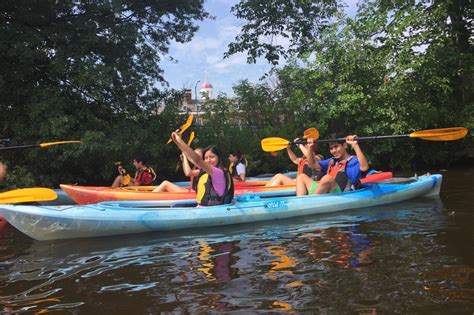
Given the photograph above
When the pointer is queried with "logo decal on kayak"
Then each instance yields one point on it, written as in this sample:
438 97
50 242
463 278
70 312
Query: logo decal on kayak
277 205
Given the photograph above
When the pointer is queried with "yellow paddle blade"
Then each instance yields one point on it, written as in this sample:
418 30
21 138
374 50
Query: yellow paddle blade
443 134
311 133
191 138
184 127
274 144
47 144
187 124
27 195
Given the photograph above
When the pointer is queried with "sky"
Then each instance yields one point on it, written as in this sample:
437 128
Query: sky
202 58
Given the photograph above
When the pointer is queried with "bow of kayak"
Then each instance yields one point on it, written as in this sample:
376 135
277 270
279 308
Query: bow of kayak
126 217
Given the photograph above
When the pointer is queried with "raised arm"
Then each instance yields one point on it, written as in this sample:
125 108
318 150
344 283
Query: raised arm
308 152
187 170
292 155
189 152
352 140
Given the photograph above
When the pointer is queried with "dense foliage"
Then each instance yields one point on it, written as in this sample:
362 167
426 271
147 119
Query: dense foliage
91 71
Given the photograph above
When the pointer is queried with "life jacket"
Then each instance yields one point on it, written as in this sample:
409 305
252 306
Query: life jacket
206 194
337 170
145 176
303 168
122 171
233 169
193 181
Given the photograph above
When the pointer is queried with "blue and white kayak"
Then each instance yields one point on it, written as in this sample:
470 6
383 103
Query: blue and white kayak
126 217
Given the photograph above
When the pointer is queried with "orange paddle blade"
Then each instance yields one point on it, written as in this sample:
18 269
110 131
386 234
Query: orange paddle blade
443 134
274 144
311 133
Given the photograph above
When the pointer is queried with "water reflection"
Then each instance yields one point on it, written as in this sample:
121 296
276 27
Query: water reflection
363 261
217 260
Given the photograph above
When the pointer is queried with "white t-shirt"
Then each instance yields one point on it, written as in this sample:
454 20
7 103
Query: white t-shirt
240 169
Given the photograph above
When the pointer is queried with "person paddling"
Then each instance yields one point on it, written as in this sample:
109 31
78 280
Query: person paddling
342 172
238 165
302 163
191 172
145 175
215 185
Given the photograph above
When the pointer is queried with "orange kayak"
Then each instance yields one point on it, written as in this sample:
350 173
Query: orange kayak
91 194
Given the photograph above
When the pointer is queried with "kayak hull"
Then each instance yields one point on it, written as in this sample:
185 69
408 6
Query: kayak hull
89 195
127 217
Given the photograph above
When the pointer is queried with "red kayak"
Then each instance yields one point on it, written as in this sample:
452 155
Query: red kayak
91 194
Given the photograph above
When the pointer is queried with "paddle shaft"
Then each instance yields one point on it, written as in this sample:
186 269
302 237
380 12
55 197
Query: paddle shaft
26 146
358 139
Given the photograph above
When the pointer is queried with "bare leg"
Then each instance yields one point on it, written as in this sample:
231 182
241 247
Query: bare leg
325 185
303 184
167 186
280 179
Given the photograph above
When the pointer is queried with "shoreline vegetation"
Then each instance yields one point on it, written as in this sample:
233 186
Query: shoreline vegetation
91 72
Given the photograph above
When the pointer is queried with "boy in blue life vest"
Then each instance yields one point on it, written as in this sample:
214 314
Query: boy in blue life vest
342 172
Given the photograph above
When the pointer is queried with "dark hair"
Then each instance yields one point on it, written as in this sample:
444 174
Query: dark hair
316 149
334 136
237 153
214 150
140 159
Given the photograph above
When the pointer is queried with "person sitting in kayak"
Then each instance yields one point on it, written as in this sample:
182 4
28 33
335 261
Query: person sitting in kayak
191 172
342 172
302 163
215 185
145 175
238 165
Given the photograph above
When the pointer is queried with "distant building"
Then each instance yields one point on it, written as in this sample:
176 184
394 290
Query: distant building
193 106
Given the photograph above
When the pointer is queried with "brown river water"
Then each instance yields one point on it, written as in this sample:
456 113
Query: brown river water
415 257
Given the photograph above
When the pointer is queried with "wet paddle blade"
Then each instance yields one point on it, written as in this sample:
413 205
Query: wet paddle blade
443 134
274 144
27 195
47 144
311 133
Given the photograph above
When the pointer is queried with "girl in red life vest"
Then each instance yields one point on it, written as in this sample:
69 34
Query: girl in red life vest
302 163
144 176
342 172
191 172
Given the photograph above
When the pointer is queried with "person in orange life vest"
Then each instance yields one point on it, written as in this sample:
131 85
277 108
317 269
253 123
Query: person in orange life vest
3 171
215 185
191 172
303 167
342 172
237 166
144 175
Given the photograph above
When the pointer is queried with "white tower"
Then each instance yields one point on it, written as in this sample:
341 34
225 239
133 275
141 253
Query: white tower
206 91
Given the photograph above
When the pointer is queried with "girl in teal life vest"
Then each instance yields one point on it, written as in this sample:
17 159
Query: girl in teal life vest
215 185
